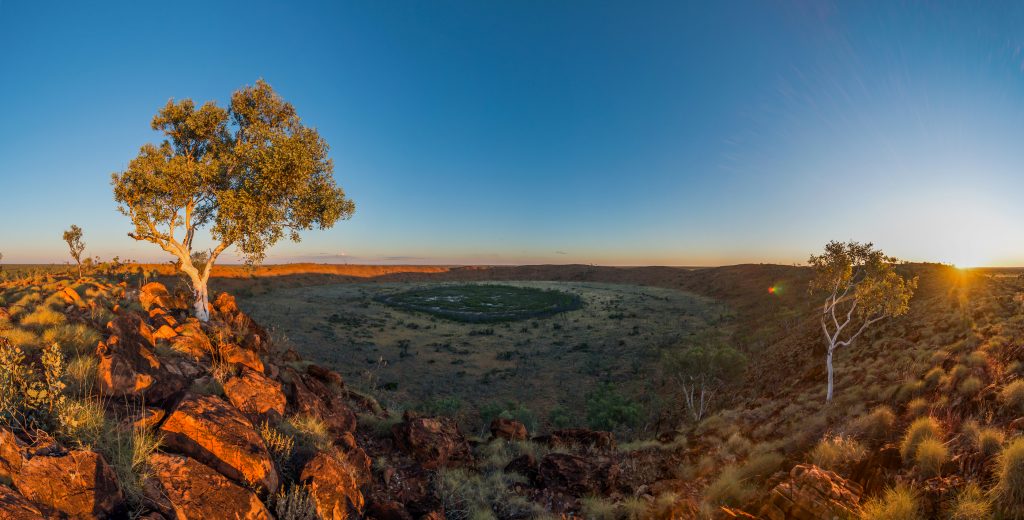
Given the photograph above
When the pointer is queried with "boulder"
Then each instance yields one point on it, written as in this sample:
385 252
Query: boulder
16 507
12 454
210 430
333 483
872 473
432 441
255 394
182 487
128 368
508 429
155 294
71 297
235 355
388 510
253 337
311 397
78 484
812 493
325 376
525 465
192 340
577 476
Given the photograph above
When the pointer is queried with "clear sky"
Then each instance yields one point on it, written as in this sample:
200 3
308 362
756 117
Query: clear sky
546 131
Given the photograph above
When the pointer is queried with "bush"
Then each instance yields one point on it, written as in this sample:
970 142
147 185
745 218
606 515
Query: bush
874 427
43 316
898 503
1013 396
82 422
609 410
930 456
970 504
279 444
969 387
836 452
293 504
1008 493
919 430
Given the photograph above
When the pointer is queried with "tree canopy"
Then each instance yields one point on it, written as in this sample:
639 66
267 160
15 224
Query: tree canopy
73 237
252 173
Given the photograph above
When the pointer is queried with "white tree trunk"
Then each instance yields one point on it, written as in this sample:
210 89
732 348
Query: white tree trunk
201 304
828 362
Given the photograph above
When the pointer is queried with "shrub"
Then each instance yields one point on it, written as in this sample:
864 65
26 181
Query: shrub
599 508
82 422
898 503
835 452
279 444
760 466
1013 396
970 504
608 410
917 407
931 454
969 387
919 430
293 504
875 426
30 393
80 375
1008 493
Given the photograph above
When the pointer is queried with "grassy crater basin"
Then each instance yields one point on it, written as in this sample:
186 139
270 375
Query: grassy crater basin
478 303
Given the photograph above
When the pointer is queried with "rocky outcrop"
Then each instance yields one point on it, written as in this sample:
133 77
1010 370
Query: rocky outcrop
16 507
129 368
12 454
310 396
255 394
333 482
508 429
233 354
251 335
577 476
812 493
432 441
210 430
77 484
182 487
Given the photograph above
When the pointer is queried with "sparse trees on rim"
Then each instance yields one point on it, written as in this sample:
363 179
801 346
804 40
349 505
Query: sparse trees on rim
701 370
861 288
252 172
73 236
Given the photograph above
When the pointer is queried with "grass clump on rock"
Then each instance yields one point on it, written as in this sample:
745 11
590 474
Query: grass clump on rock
930 455
1008 493
897 503
919 430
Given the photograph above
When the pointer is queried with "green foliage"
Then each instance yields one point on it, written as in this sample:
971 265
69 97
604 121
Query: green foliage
607 409
836 452
700 370
278 443
929 457
73 237
898 503
919 430
970 504
1012 396
1008 493
480 303
30 394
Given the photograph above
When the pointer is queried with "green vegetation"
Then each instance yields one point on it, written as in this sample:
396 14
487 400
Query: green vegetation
919 430
1008 493
478 303
971 504
898 503
929 457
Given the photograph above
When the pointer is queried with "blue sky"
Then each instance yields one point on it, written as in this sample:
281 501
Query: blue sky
549 132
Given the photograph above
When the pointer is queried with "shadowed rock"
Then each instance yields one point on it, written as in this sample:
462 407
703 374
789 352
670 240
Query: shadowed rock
16 507
78 484
508 429
334 483
432 441
255 394
575 475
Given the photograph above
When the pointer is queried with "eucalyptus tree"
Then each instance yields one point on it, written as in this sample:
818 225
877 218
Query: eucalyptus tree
861 288
252 173
73 237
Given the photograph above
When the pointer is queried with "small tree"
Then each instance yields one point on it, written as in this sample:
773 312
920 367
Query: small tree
861 287
73 236
701 370
252 172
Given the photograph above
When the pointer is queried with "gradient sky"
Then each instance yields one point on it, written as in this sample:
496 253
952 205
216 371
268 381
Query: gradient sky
545 131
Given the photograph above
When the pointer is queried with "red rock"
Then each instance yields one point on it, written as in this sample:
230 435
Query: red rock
313 398
388 511
508 429
128 368
255 394
185 488
16 507
811 493
210 430
155 294
149 418
164 332
78 484
253 337
432 441
575 475
325 376
334 484
12 454
236 355
581 438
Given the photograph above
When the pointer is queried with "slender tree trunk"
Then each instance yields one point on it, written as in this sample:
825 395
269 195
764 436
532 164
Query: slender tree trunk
79 270
828 362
